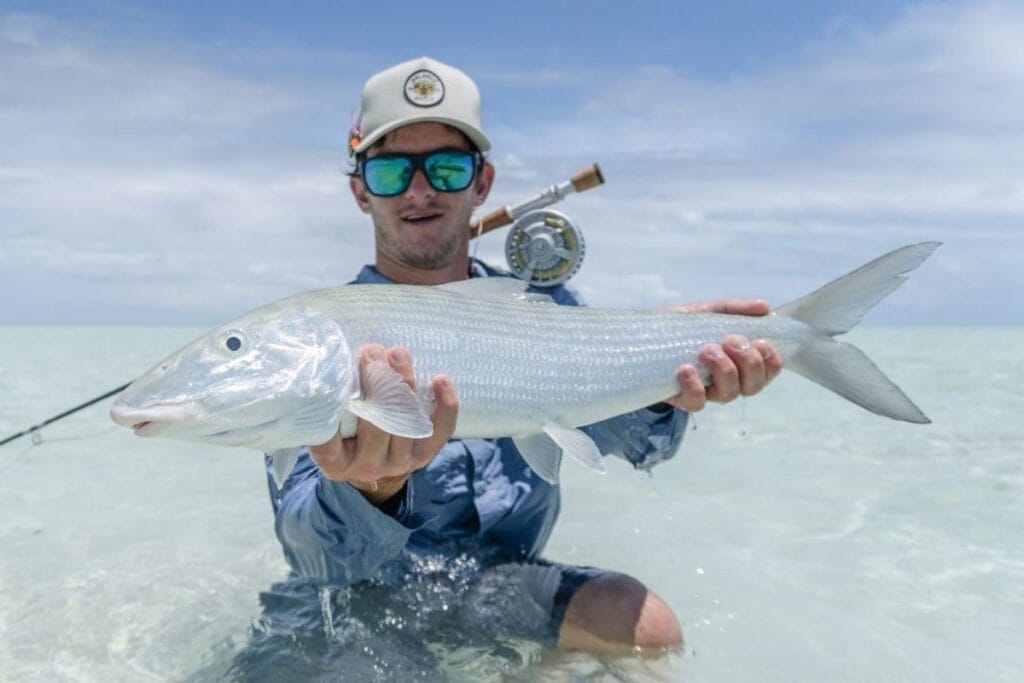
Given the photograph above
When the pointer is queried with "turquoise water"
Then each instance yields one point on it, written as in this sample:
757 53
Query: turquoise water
796 536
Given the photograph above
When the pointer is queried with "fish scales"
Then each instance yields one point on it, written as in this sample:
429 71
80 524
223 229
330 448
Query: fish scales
577 355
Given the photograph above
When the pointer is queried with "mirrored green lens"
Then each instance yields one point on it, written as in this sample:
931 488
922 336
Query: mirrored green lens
386 176
450 171
447 170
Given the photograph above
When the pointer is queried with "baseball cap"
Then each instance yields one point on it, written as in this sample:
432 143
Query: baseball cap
422 89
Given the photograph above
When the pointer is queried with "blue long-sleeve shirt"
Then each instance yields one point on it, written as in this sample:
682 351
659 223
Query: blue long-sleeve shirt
476 495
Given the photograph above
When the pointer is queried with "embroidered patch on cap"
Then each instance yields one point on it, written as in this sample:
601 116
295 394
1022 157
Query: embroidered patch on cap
424 89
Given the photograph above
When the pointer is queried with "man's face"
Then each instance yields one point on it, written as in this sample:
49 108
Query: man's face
422 227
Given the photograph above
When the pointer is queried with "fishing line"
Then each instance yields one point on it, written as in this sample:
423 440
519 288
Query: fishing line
33 430
37 440
17 458
743 415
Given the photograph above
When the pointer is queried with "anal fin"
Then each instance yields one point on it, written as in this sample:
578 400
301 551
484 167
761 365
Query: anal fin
577 444
543 452
542 455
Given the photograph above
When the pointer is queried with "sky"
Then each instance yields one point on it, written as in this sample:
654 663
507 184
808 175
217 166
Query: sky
181 163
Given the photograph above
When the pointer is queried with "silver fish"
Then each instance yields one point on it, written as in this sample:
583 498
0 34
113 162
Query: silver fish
287 374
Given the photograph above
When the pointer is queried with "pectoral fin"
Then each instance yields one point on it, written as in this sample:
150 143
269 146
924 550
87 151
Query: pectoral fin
391 404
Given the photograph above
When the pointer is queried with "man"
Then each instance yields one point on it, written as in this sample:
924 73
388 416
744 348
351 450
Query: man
356 506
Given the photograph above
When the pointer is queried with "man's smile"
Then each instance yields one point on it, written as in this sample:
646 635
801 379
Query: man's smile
421 218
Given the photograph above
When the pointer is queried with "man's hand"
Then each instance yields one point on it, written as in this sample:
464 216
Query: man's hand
738 366
378 463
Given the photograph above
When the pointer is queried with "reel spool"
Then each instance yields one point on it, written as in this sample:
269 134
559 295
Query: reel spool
544 248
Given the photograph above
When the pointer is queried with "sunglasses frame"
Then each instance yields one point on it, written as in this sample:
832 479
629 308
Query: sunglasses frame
419 164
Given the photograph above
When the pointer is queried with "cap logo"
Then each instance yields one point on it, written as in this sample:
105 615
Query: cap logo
424 89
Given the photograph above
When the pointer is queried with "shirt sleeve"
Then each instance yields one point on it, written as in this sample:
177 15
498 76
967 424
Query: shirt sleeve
330 533
644 437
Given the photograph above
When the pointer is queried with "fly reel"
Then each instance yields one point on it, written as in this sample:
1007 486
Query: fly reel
544 248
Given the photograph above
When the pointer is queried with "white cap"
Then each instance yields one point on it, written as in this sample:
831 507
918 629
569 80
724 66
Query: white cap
419 90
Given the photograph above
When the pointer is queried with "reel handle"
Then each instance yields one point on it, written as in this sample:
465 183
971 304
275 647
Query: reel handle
581 181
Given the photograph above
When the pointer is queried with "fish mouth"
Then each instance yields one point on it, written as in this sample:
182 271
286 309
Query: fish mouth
186 422
151 420
146 428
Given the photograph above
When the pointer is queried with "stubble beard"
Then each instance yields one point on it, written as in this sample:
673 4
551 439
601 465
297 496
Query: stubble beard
436 257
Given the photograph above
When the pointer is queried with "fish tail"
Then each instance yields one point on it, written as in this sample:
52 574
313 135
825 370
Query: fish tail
838 307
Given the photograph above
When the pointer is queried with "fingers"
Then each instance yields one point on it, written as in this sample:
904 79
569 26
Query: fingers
373 456
401 361
370 444
444 418
691 396
740 367
737 367
732 306
725 377
771 357
362 457
749 364
331 457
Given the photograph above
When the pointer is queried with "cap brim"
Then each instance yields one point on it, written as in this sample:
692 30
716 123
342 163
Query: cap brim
475 136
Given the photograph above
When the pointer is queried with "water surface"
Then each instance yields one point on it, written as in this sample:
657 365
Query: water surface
796 536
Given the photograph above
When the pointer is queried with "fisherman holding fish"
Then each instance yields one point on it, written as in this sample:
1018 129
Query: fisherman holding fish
461 471
354 506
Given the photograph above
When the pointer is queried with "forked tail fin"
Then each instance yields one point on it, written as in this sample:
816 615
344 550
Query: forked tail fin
838 307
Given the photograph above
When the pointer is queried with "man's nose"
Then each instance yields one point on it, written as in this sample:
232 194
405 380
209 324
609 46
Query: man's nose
419 186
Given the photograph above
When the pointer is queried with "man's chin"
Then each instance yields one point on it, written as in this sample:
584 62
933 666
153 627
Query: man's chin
430 247
429 254
429 261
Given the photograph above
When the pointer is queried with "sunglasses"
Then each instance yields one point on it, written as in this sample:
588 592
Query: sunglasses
447 170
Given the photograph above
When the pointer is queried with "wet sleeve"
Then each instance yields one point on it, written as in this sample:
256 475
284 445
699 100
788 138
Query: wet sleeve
643 437
330 533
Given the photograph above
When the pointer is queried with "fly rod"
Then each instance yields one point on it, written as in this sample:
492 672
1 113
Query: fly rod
70 411
581 181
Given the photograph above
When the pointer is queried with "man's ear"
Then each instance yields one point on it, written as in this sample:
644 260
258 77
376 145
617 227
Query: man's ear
362 197
484 181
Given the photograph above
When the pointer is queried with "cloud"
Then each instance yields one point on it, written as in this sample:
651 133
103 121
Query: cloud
154 178
130 165
870 140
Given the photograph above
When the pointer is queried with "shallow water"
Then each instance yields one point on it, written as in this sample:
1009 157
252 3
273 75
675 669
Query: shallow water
797 537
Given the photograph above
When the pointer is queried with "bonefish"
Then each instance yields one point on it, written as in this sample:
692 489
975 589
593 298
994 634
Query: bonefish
287 374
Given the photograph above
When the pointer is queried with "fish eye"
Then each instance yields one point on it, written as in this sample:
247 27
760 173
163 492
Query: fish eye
233 341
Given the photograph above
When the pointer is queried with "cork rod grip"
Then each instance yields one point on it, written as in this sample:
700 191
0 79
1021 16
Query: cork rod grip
587 178
581 181
495 219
